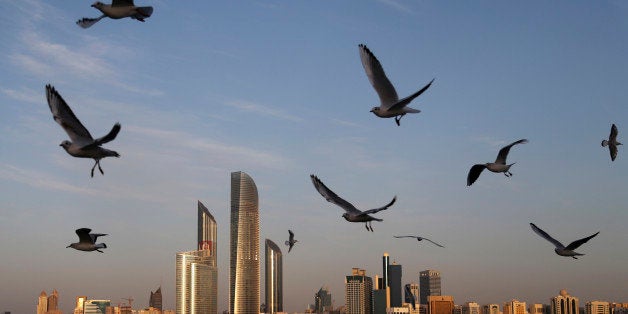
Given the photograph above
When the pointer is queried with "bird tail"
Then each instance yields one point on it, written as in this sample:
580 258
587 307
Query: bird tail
377 219
604 143
111 153
101 246
88 22
145 11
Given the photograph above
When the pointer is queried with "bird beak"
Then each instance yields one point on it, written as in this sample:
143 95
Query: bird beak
68 246
372 110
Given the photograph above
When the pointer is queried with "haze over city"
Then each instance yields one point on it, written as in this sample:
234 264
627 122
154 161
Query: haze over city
277 89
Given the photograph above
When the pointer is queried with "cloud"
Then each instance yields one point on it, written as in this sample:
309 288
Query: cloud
262 110
396 5
25 94
41 180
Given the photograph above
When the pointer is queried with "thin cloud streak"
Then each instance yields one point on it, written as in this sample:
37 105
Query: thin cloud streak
41 180
251 107
396 5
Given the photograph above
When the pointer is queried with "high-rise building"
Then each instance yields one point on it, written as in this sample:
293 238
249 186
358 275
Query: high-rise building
412 293
564 303
53 303
358 292
440 304
244 270
429 284
394 282
515 307
490 309
96 306
597 307
42 303
536 308
197 271
471 308
379 301
322 300
155 299
78 308
274 278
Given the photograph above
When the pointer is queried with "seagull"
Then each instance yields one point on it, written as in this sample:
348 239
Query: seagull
118 9
498 166
612 142
82 145
391 105
291 241
87 241
560 248
418 238
351 214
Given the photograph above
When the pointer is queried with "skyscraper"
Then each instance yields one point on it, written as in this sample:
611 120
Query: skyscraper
96 306
155 299
564 303
429 284
274 278
441 304
358 292
597 307
385 280
472 308
515 307
322 300
197 272
244 270
490 309
411 292
78 308
42 303
394 282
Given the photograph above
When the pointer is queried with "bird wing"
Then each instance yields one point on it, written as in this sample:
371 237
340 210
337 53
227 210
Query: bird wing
62 113
83 234
433 242
122 3
547 236
331 197
503 153
405 101
375 72
374 210
291 235
613 136
575 244
474 173
612 148
406 236
107 138
87 22
94 236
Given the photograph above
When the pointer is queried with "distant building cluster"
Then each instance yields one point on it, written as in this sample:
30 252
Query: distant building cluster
197 276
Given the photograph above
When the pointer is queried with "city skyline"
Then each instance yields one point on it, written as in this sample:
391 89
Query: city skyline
277 89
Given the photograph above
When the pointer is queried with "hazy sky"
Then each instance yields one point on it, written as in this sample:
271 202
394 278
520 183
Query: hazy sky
276 89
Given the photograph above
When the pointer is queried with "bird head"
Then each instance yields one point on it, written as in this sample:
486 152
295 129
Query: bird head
375 109
98 4
345 216
71 245
66 144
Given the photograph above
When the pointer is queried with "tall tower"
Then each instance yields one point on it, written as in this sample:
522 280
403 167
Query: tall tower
597 307
385 283
244 272
411 293
429 284
42 303
358 292
515 307
564 303
197 271
322 300
394 282
155 300
274 278
441 304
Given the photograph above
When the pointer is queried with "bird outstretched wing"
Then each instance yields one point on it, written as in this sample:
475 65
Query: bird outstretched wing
474 173
83 234
503 153
405 101
385 90
62 113
546 236
374 210
575 244
87 22
331 197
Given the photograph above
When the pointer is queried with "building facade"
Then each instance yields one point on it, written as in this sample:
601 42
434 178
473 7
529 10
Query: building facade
155 300
597 307
429 285
197 271
441 304
490 309
515 307
411 295
358 292
96 306
394 282
244 270
322 300
42 303
273 278
471 308
564 303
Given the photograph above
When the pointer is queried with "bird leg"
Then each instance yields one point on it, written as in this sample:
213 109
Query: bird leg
574 257
508 174
366 225
100 251
98 162
94 167
370 226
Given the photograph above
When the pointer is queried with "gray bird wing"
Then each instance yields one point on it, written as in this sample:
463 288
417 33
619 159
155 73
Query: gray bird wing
331 197
612 148
83 234
613 136
62 113
575 244
503 153
406 236
385 90
474 173
405 101
87 22
122 3
433 242
375 210
94 236
107 138
547 236
291 238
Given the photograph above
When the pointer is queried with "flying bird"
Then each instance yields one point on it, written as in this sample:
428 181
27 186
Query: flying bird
291 241
418 238
82 144
351 214
390 104
87 241
118 9
612 142
560 248
498 166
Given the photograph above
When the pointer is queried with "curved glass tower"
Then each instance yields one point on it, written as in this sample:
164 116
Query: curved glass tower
244 272
274 278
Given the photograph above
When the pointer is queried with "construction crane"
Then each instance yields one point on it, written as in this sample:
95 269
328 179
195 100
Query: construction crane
130 300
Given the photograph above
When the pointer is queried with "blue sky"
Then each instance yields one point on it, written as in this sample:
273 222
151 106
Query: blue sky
276 89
